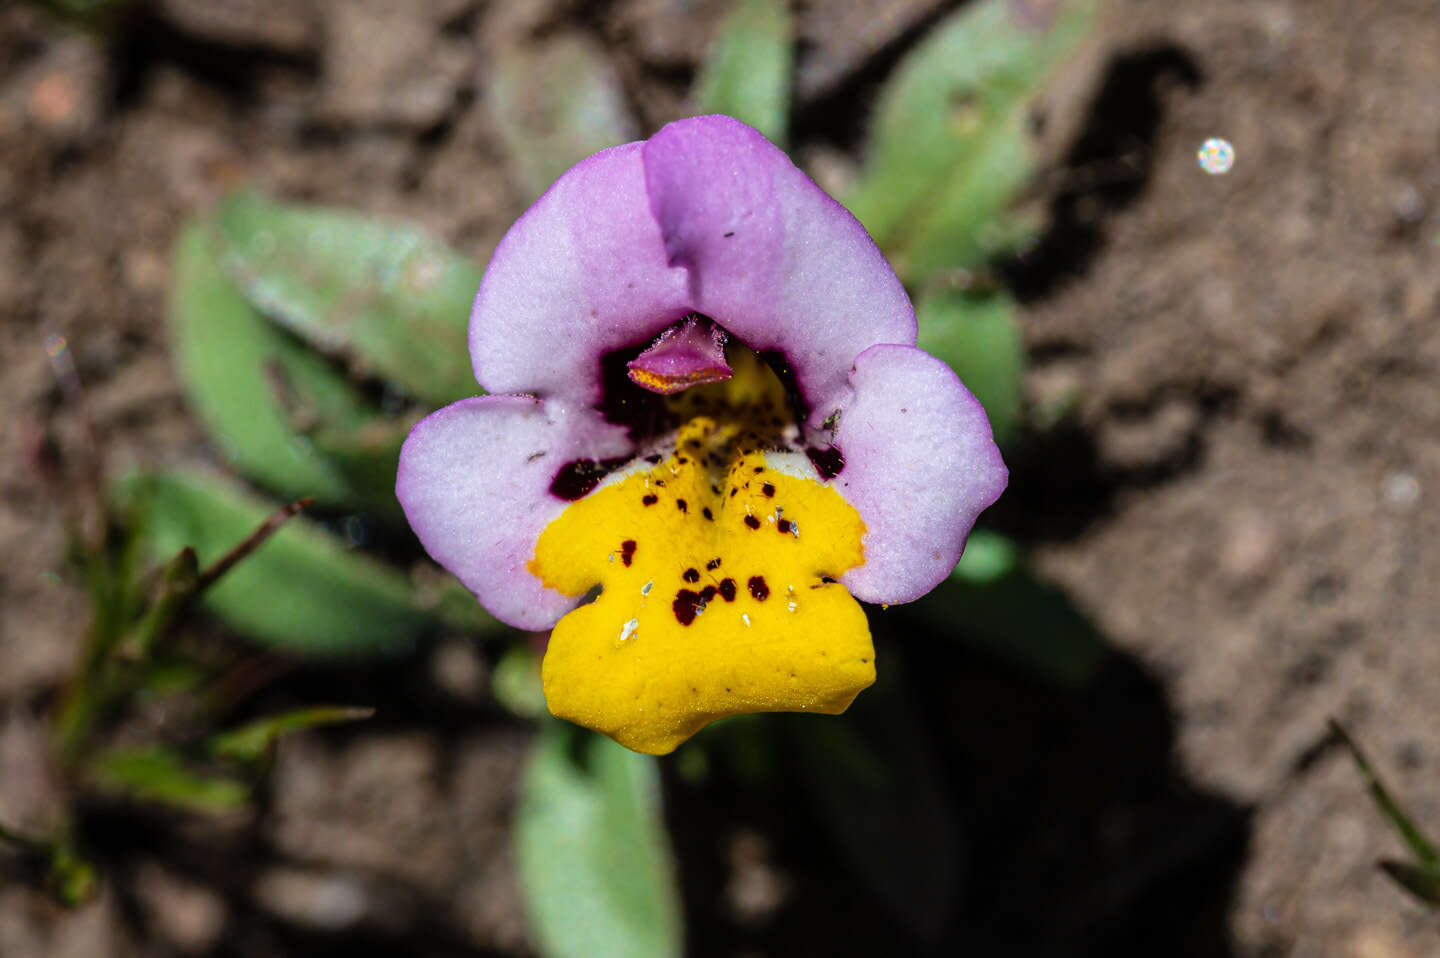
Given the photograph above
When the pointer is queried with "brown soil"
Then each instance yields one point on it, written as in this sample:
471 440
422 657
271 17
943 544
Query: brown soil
1243 372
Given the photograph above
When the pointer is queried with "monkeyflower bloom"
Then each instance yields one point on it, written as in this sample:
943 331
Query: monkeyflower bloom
706 411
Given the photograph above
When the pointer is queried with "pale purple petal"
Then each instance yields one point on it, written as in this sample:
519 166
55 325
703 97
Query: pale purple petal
920 465
583 272
772 258
474 481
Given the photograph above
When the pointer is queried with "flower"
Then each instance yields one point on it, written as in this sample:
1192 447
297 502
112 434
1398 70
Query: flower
705 399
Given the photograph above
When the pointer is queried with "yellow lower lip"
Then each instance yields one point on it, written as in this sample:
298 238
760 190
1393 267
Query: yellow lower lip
718 595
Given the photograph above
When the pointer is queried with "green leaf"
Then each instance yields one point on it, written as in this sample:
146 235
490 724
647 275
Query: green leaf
389 298
251 742
555 104
72 879
749 69
516 682
1420 846
989 557
1423 883
877 788
251 385
594 862
302 591
980 339
949 147
155 774
1005 614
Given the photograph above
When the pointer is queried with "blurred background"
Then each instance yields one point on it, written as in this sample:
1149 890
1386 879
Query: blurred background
1217 385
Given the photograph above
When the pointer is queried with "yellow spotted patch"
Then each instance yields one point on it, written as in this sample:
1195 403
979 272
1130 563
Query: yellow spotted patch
718 595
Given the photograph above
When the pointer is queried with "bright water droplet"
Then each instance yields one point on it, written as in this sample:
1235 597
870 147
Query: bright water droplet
1216 156
645 589
629 629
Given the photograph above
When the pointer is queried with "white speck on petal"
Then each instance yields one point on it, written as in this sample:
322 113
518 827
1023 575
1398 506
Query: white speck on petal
629 629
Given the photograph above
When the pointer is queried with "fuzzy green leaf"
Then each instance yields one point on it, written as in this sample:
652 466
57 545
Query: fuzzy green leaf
980 339
302 591
590 841
257 389
154 774
250 742
391 300
949 147
749 70
554 104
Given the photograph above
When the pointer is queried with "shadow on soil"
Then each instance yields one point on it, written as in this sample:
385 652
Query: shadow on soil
1058 824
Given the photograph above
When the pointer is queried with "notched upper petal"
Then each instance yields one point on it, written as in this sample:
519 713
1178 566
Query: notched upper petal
583 272
771 256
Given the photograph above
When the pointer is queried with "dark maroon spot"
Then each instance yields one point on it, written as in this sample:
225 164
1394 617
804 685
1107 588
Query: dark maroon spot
758 588
660 483
708 514
681 460
827 462
727 589
827 580
653 459
769 490
682 505
627 551
649 500
713 564
685 606
714 488
729 234
707 593
690 575
758 469
752 522
732 492
576 479
784 526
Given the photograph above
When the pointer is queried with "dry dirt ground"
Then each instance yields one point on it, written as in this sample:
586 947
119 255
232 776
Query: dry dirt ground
1239 484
